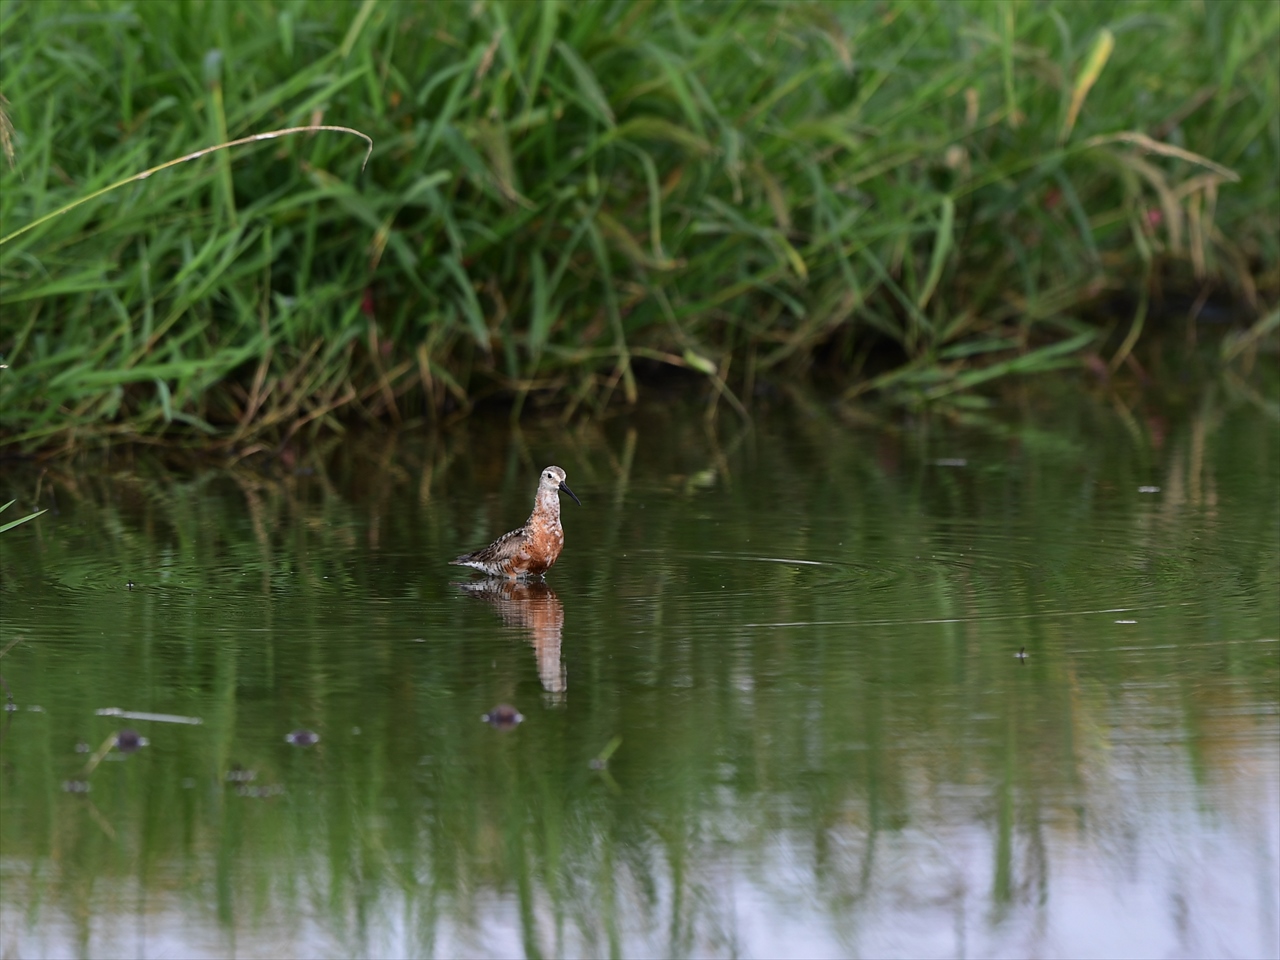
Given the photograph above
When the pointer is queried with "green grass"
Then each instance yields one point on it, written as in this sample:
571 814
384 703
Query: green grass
915 198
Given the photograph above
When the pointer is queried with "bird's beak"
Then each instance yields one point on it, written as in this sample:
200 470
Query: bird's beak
565 487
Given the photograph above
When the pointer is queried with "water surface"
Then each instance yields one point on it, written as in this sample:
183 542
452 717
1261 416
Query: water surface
1000 688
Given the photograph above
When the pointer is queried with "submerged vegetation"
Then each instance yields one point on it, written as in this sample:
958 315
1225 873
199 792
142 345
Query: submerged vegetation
910 198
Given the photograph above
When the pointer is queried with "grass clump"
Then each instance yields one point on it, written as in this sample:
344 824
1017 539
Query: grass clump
916 197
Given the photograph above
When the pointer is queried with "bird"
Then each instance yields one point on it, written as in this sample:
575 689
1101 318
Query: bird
527 552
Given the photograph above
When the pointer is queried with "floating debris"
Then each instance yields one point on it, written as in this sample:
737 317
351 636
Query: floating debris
237 774
75 786
35 708
1148 489
144 715
503 717
124 741
130 741
82 747
1126 621
302 738
951 462
601 759
107 745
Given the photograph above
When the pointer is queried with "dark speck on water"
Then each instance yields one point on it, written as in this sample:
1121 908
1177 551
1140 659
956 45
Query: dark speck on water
503 717
128 741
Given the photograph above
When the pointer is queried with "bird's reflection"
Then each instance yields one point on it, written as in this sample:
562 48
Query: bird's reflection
531 606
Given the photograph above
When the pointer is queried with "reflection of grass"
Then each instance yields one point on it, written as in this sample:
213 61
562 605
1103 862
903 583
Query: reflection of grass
918 195
268 602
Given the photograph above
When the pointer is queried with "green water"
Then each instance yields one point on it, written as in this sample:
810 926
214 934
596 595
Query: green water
801 640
